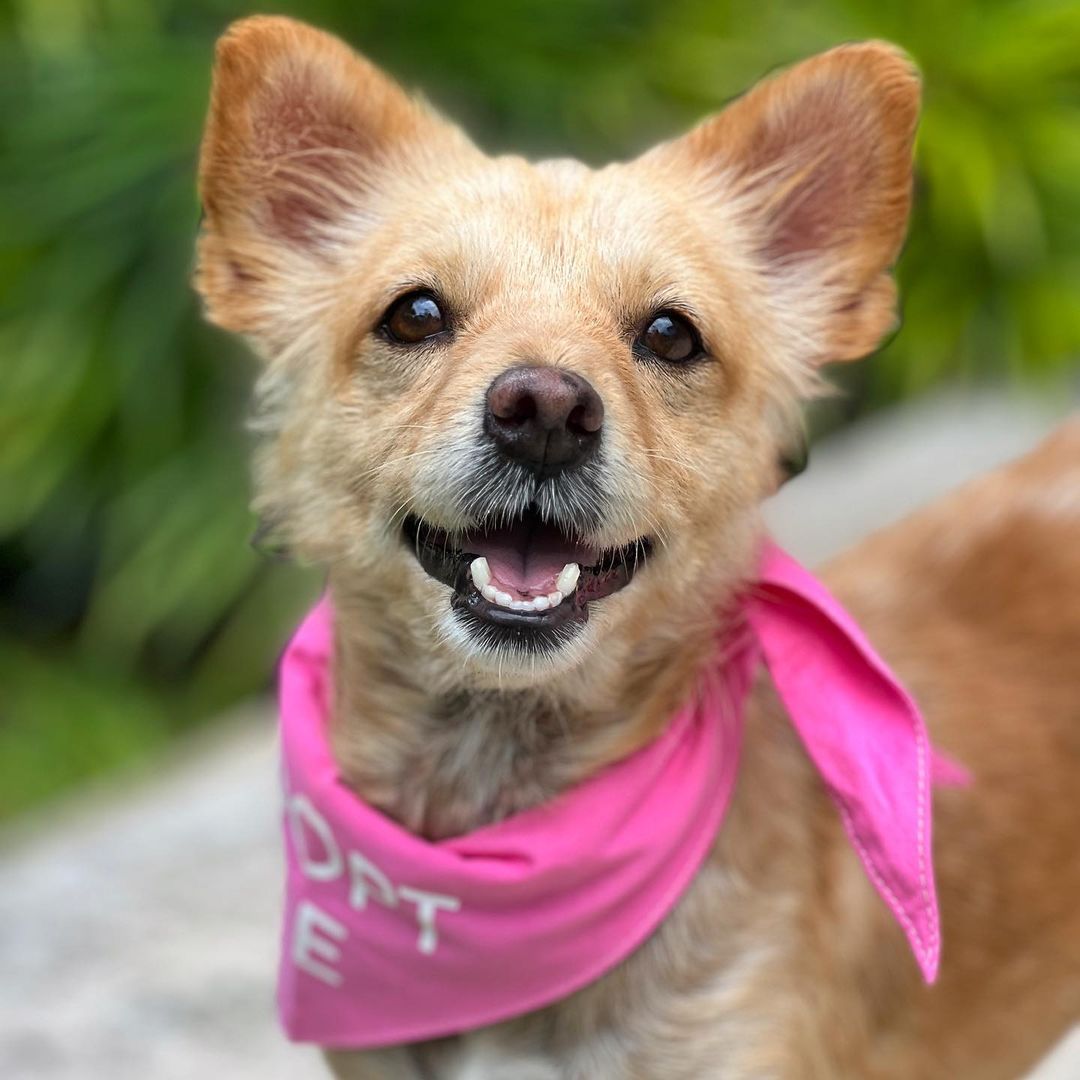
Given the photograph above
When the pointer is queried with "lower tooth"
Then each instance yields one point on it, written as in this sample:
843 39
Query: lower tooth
568 578
481 573
555 598
489 592
503 599
541 603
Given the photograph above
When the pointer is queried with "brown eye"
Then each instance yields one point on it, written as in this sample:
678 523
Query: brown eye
413 318
669 337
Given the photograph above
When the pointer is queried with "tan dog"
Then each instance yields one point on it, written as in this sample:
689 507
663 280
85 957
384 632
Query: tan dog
615 359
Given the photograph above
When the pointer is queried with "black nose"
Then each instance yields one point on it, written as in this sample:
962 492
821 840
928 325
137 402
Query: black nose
547 418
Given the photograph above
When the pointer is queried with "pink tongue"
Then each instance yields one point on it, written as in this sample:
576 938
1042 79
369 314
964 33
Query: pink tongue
526 558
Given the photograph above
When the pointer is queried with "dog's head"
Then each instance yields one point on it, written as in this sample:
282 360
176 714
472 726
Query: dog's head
530 408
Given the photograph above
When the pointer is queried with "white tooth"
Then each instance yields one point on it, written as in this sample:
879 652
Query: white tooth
503 599
489 592
520 605
481 572
554 598
541 603
567 579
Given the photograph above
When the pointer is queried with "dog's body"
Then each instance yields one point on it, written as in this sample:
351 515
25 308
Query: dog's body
780 961
742 256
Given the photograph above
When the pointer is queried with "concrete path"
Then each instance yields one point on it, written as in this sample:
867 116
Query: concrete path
138 927
137 933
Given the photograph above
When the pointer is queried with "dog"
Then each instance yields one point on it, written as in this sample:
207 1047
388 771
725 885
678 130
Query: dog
589 377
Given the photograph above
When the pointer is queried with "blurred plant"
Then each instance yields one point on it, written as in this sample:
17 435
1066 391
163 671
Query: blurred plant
132 604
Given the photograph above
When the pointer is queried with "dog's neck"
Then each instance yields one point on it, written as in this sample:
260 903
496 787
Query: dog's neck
413 739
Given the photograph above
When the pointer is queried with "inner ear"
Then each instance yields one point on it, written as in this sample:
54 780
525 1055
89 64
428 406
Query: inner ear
311 151
809 167
817 163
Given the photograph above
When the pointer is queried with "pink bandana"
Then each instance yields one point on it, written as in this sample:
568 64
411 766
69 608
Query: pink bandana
391 939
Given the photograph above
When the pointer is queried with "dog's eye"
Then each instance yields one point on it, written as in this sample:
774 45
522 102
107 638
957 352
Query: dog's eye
413 318
669 337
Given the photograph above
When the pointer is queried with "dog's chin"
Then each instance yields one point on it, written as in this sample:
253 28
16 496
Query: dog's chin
521 592
492 662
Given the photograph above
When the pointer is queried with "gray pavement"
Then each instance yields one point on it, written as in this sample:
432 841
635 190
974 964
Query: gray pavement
138 925
138 930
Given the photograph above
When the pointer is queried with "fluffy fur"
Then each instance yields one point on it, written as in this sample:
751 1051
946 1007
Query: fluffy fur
329 192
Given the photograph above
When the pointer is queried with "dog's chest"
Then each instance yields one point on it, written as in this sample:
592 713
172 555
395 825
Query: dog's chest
490 1055
675 990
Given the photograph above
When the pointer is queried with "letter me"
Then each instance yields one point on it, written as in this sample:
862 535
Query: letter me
312 952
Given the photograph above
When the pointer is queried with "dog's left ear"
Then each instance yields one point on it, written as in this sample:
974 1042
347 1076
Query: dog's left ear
814 166
302 136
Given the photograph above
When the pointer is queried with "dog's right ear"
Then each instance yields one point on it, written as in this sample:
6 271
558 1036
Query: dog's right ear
301 133
814 165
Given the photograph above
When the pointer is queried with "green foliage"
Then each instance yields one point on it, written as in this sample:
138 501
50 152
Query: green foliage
133 605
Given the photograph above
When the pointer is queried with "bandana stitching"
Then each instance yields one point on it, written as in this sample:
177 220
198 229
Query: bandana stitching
925 945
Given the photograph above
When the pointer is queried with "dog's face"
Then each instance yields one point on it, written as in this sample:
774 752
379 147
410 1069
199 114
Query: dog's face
531 408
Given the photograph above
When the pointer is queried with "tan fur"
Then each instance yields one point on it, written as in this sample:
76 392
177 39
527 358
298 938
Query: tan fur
328 193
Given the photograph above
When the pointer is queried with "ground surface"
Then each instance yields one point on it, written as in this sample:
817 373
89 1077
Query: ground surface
138 928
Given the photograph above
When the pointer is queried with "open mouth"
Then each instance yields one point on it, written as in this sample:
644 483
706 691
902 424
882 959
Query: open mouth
529 581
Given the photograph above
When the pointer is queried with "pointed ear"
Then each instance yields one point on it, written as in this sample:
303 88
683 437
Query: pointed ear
816 163
300 134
